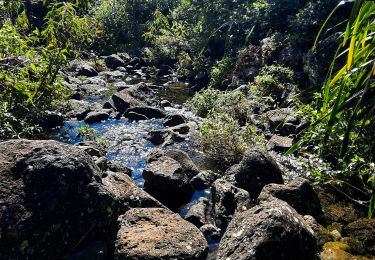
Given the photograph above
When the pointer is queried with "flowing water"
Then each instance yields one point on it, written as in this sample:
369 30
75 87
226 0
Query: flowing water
127 141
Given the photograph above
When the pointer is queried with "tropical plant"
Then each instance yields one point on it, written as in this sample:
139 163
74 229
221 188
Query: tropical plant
222 138
345 108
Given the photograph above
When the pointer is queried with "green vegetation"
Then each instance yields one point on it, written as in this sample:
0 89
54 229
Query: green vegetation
342 117
30 61
223 138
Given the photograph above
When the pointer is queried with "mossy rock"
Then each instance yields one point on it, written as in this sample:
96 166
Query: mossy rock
362 236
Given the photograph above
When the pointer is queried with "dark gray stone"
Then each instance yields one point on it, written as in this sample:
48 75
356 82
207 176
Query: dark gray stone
272 230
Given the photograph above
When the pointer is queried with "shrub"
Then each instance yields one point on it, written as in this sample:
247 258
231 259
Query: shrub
124 22
275 81
221 71
233 103
223 138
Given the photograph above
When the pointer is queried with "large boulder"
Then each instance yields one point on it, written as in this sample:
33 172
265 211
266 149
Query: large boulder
256 170
298 193
113 61
96 117
147 111
51 196
167 177
86 70
227 200
362 236
127 194
155 234
271 230
134 96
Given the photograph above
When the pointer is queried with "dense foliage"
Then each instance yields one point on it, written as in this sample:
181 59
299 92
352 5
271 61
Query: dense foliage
30 62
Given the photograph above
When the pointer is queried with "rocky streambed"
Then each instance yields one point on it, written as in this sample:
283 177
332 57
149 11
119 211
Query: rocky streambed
136 189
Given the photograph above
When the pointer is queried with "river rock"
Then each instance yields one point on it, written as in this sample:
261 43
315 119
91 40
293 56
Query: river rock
271 230
127 194
227 200
86 70
147 111
197 213
174 120
283 120
180 156
256 170
167 181
96 117
298 193
167 177
132 116
134 96
113 61
49 119
362 236
119 167
155 234
279 143
50 196
204 179
210 232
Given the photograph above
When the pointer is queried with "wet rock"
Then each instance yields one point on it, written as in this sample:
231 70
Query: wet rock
97 250
149 112
180 156
50 194
204 180
170 135
298 193
166 180
49 119
174 120
121 85
118 167
96 117
79 108
95 81
279 143
210 232
112 76
272 230
127 194
132 116
91 89
197 214
91 150
101 163
113 61
362 236
256 170
227 200
158 234
137 95
165 103
86 70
